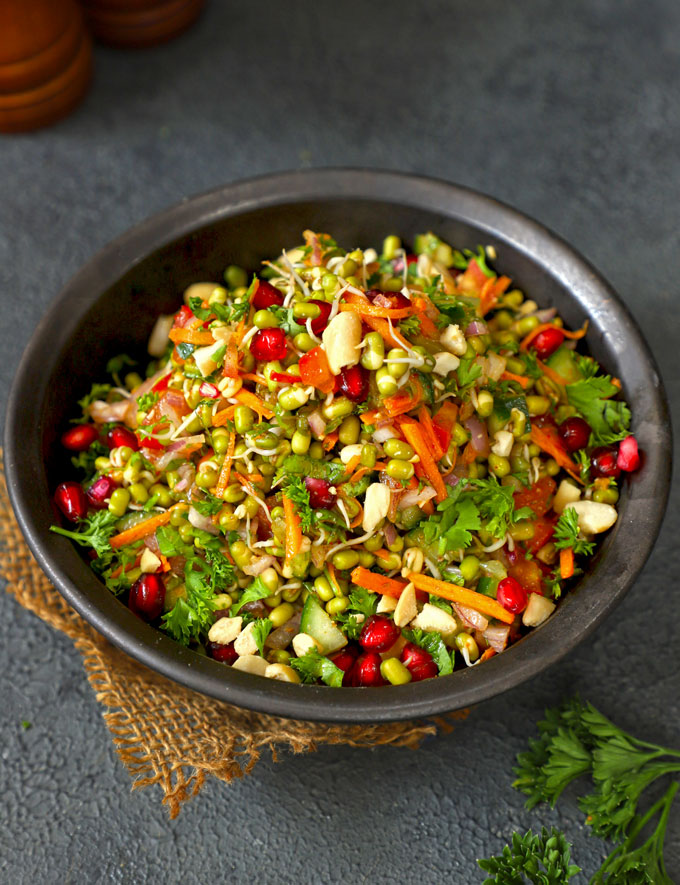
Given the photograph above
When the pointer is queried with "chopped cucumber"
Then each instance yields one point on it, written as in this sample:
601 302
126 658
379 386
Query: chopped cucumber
319 625
562 361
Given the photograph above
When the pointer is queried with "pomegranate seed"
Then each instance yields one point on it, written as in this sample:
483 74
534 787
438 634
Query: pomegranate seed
366 671
379 634
629 457
266 296
209 391
320 495
269 344
100 490
390 300
574 433
423 671
319 323
147 596
225 654
511 595
603 461
121 436
345 658
413 655
354 383
80 438
183 316
547 342
70 499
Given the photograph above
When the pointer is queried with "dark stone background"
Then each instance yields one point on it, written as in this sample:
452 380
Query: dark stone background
568 111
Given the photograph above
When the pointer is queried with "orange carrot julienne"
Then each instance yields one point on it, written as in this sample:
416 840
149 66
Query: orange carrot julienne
549 372
246 398
427 426
332 577
370 417
488 653
253 376
237 337
566 563
546 438
462 595
522 380
358 474
293 530
352 464
225 472
330 441
231 361
371 310
392 336
191 336
142 529
382 553
403 401
525 343
220 418
376 583
414 436
491 293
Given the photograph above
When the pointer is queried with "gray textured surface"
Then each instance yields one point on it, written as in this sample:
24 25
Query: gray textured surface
569 112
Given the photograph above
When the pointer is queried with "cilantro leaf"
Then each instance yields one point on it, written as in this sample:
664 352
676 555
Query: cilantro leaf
257 590
609 419
467 373
169 541
313 666
196 305
184 349
94 531
567 534
410 327
458 522
85 460
434 644
295 489
497 505
207 506
221 570
261 629
287 320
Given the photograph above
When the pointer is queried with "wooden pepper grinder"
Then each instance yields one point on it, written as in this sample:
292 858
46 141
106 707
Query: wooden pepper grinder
136 24
45 62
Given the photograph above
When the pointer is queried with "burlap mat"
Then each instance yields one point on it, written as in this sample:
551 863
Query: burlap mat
164 733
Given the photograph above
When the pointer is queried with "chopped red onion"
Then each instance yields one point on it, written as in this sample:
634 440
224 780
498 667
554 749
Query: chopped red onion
497 636
478 435
477 327
204 523
413 497
317 424
257 566
390 533
470 617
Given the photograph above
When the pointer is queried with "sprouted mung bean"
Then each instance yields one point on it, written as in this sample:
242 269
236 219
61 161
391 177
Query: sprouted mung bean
361 469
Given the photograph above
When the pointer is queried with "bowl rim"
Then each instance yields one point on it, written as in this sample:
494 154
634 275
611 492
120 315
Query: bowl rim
162 654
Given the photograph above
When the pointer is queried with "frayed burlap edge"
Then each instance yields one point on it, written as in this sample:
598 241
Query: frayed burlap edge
164 733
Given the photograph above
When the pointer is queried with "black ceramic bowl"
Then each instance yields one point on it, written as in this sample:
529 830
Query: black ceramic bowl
110 307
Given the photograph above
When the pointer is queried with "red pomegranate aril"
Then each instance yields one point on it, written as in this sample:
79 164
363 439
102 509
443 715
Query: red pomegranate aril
269 344
574 433
344 659
121 436
413 655
511 595
628 458
80 437
366 671
100 491
320 495
209 391
547 342
354 383
225 654
147 596
378 634
266 296
603 462
70 499
427 670
319 323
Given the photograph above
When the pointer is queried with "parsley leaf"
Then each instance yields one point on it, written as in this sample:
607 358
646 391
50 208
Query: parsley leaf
196 305
207 506
85 460
287 320
609 419
434 644
467 373
261 629
94 531
295 489
460 518
497 505
410 327
313 666
567 531
169 541
147 400
543 857
257 590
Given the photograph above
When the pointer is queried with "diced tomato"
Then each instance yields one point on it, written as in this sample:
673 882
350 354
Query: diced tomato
443 436
162 383
545 529
538 496
183 316
527 572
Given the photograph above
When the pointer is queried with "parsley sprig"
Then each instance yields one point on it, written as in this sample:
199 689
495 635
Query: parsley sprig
314 666
567 534
94 531
544 858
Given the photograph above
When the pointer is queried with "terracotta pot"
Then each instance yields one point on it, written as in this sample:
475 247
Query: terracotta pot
139 23
45 62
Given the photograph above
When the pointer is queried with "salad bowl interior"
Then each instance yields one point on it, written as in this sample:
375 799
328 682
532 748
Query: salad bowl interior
111 306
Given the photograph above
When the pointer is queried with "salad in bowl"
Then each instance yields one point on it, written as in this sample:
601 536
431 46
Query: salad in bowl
356 468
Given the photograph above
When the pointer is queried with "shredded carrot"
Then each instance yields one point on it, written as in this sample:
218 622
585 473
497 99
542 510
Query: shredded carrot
392 336
365 308
252 477
142 529
616 382
380 465
550 373
525 343
427 507
293 529
546 438
469 453
219 419
462 595
237 337
358 519
225 472
403 401
352 464
522 380
246 398
415 437
491 292
376 583
253 376
489 653
330 441
382 553
371 417
427 426
361 472
191 336
444 422
116 573
566 563
231 361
